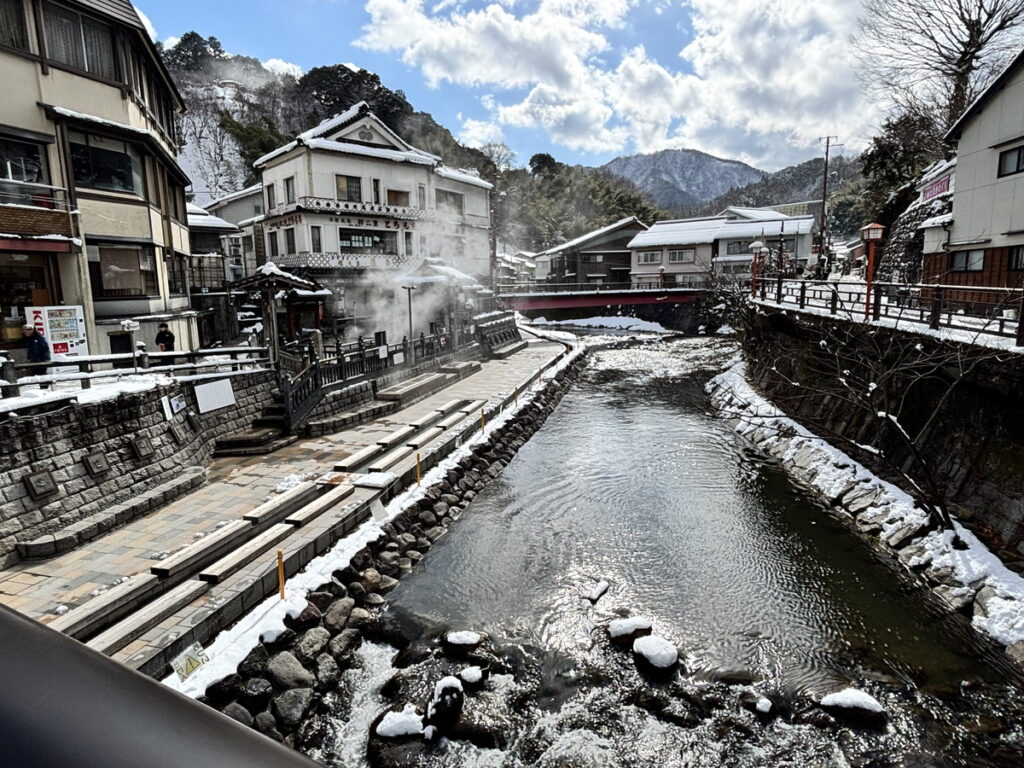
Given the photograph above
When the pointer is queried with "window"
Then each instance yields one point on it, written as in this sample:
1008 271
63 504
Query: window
349 188
685 256
1011 161
967 261
398 197
408 243
13 32
289 240
376 191
271 197
20 161
122 271
1017 258
737 247
591 258
78 41
102 163
367 242
177 202
449 202
421 196
247 244
176 273
314 238
272 240
289 189
649 257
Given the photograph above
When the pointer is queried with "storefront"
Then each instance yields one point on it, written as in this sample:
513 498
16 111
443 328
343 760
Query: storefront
27 279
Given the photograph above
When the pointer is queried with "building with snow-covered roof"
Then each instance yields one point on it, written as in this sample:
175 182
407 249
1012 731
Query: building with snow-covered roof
596 258
350 197
92 202
216 259
687 251
244 209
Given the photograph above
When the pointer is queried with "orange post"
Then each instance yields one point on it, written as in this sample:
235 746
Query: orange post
483 421
280 572
419 472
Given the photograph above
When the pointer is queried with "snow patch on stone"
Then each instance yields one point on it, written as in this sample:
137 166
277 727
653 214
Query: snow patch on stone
465 638
471 675
626 627
395 725
657 651
851 698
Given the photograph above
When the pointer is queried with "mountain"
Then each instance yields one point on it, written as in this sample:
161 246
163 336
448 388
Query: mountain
679 180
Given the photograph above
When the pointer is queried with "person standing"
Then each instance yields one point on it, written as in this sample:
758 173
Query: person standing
164 339
36 349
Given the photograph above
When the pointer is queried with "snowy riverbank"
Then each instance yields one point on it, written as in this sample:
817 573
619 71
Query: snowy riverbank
615 323
971 579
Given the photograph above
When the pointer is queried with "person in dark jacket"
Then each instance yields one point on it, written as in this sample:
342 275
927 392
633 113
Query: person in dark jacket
164 339
37 350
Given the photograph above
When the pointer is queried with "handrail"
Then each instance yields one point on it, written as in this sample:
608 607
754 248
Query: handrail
514 289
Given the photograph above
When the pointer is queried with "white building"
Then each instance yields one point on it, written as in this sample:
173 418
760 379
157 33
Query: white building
349 199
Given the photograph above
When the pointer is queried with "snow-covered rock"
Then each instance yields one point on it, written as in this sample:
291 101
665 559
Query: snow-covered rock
854 706
471 675
625 631
396 725
598 590
656 651
464 639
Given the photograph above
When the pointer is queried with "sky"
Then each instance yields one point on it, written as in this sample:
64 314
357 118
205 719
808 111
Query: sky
584 80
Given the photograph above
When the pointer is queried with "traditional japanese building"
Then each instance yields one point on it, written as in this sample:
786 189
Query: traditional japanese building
92 204
596 258
216 260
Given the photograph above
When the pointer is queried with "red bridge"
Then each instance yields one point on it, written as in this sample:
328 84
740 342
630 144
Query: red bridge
543 296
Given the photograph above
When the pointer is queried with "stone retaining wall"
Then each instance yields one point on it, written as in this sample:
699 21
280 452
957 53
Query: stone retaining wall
59 440
286 688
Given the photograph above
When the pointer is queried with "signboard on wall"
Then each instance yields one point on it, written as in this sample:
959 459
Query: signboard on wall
214 395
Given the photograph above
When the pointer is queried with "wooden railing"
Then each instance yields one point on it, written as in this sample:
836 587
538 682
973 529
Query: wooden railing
972 310
513 289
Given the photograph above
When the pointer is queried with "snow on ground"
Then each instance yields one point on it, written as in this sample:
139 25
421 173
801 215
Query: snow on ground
289 482
266 619
975 566
623 323
851 698
65 390
394 725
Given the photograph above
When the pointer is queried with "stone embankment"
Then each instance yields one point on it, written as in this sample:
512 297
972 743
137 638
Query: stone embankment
283 683
955 565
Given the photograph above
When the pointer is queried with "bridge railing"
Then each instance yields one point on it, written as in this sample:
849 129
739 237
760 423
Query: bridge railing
973 310
513 289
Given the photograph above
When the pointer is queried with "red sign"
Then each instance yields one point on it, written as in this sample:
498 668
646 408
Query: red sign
935 189
61 347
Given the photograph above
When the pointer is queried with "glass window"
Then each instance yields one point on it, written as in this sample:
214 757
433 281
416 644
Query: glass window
314 238
421 196
289 189
738 247
272 240
376 191
289 240
408 243
271 201
122 271
449 202
398 197
349 188
592 258
79 41
13 30
367 242
1011 161
102 163
21 161
968 261
176 273
685 256
649 257
1017 258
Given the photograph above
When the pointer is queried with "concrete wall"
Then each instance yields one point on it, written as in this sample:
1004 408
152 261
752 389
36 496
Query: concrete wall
57 442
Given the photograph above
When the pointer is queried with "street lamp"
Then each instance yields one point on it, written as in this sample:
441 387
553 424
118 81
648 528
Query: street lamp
412 345
755 250
871 234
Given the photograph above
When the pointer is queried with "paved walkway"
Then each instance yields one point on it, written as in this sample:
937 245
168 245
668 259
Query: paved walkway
234 486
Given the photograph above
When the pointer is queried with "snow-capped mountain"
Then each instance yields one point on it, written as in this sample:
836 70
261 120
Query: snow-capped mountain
679 180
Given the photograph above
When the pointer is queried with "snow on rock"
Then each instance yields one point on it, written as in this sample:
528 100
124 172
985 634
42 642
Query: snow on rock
396 725
656 651
289 482
627 627
464 639
764 705
623 323
852 698
471 675
598 590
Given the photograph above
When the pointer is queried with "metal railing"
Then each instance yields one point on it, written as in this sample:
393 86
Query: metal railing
973 310
330 205
513 289
34 195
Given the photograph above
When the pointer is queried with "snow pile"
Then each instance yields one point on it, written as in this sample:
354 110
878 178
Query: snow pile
851 698
764 705
272 270
464 638
626 627
598 590
657 651
471 675
289 482
622 323
395 725
833 474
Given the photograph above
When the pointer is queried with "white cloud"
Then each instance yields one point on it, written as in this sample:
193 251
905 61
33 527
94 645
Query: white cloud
171 41
476 133
760 80
282 67
150 29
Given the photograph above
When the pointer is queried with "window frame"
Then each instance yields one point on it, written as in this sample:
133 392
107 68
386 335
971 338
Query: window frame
289 241
24 30
691 260
176 271
273 247
150 287
137 161
114 72
1015 258
316 238
967 261
289 190
399 192
1019 164
353 188
645 257
271 195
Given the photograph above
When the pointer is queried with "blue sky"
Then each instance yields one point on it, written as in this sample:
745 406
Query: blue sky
586 80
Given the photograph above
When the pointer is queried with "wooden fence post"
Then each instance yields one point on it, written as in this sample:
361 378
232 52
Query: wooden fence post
876 308
833 306
778 290
803 294
936 316
11 375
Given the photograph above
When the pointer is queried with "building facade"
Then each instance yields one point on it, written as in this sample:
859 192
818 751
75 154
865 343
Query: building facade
216 260
92 202
244 209
352 204
981 242
600 257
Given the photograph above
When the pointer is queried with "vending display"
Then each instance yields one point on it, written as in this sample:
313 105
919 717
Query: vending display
63 327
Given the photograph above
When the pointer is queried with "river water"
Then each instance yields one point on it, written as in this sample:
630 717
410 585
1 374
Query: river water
635 481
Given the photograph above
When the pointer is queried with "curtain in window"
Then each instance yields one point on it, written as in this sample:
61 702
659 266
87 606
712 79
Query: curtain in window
12 24
64 36
99 49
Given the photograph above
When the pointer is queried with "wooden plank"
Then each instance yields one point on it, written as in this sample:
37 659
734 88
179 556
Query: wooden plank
450 406
283 504
206 548
358 458
390 459
474 405
230 563
85 619
451 421
425 437
138 623
330 499
397 437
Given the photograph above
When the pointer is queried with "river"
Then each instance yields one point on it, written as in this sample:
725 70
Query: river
635 481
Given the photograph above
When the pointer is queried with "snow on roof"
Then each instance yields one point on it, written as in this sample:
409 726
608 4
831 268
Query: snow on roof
333 122
271 269
935 171
346 147
102 121
936 221
757 214
254 189
710 229
253 220
463 175
594 235
200 218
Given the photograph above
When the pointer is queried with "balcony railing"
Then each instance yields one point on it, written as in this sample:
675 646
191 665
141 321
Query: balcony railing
33 195
318 260
330 205
35 210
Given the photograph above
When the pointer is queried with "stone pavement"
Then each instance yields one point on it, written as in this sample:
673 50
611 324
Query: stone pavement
234 486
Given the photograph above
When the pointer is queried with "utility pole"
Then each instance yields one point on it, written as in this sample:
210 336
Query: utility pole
823 242
412 346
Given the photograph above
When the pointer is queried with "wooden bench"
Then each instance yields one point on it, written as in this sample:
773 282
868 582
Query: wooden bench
231 562
147 617
205 549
